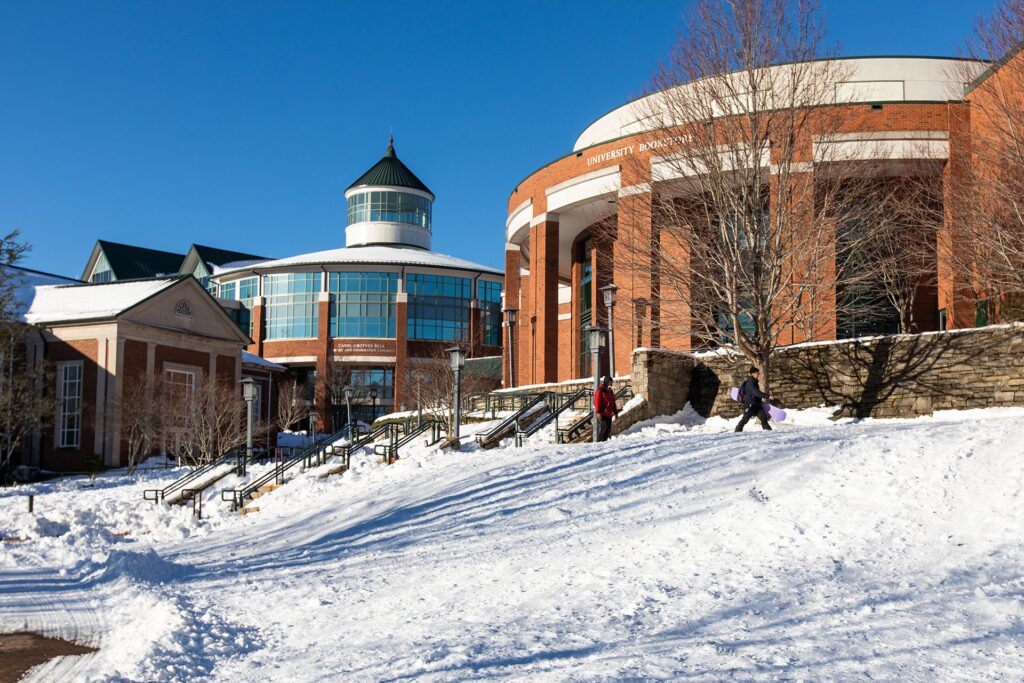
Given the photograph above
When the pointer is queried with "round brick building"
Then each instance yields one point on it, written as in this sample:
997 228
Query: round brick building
912 107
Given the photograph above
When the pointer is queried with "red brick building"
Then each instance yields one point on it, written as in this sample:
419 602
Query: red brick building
375 308
98 337
913 107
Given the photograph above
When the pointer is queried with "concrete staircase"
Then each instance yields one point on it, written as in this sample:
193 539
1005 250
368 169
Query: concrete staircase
258 493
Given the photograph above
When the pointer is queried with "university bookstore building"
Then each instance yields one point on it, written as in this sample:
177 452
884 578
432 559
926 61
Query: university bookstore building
897 113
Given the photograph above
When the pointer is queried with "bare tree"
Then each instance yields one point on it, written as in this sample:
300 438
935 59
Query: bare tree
219 418
334 380
142 416
24 402
292 401
430 381
748 181
986 195
893 249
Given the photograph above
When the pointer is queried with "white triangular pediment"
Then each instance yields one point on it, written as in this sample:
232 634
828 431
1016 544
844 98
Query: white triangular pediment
186 307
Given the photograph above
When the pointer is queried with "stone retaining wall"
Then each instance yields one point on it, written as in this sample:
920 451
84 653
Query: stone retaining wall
896 376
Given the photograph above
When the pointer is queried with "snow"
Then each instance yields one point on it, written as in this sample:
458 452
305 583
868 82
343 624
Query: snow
846 550
367 255
25 281
59 303
253 359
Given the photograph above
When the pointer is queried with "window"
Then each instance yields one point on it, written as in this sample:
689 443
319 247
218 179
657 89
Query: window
363 304
438 307
292 305
248 289
180 383
393 207
943 323
381 379
69 397
981 313
489 294
101 271
586 250
227 290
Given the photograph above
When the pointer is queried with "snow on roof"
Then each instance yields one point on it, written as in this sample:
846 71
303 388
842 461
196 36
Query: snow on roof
253 359
62 303
384 255
25 281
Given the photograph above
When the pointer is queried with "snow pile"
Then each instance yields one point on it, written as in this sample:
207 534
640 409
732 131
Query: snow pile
848 550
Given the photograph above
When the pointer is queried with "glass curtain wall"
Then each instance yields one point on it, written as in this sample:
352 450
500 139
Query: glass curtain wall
489 294
392 207
363 304
291 307
438 307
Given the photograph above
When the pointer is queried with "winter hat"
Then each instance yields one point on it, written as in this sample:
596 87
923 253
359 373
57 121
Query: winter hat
754 369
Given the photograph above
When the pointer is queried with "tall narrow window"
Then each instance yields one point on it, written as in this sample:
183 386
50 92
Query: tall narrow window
69 394
586 250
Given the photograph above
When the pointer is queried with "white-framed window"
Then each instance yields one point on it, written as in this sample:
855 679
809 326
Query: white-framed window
69 397
180 382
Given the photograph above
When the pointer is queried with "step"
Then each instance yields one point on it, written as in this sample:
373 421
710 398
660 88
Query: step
338 469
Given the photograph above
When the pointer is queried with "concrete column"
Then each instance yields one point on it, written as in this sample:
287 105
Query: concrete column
114 404
544 279
512 283
102 359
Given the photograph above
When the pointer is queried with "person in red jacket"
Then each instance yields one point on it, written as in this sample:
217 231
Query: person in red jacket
605 408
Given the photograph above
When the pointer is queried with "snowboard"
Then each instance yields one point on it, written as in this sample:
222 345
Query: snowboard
774 412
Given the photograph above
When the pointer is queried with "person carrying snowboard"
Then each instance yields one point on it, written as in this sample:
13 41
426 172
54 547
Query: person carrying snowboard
752 398
605 408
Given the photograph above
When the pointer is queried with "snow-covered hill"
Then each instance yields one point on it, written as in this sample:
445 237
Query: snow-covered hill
885 549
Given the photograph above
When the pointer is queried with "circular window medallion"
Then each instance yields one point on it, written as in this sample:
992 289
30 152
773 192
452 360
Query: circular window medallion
182 308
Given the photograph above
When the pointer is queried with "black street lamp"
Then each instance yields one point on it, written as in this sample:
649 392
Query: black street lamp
458 361
373 403
609 301
511 313
249 392
348 409
596 338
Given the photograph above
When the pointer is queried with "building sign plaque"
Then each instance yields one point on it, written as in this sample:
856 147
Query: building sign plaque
365 347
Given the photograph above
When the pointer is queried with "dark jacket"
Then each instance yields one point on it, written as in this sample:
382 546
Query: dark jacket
752 392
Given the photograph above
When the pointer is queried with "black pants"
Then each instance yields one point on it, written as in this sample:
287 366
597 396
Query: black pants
754 410
604 428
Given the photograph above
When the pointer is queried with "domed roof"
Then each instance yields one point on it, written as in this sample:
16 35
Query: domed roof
390 171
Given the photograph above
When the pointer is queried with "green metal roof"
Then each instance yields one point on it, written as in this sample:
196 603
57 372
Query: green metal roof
218 257
390 171
128 262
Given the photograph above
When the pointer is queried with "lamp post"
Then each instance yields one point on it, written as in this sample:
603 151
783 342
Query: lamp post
510 321
348 409
249 389
458 360
596 338
609 303
312 422
373 404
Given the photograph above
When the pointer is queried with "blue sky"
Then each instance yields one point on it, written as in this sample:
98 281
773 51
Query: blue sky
240 124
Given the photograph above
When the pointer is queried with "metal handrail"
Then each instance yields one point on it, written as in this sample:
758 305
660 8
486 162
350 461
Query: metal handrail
156 495
556 410
390 450
511 420
284 459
